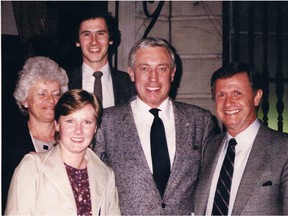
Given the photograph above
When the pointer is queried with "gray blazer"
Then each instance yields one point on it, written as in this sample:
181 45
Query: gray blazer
263 189
118 144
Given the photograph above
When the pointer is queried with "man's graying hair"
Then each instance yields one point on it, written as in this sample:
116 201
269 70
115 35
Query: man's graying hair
151 42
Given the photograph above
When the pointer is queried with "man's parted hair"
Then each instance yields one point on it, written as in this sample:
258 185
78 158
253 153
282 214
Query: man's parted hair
114 32
234 68
151 42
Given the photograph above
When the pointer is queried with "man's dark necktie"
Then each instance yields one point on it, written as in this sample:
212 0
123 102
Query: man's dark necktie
222 194
98 85
159 152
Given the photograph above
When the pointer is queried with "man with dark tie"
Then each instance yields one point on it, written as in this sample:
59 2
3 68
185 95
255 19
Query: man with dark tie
97 35
153 143
244 170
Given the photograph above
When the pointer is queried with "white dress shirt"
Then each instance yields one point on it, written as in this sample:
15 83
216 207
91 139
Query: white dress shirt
106 81
144 119
242 151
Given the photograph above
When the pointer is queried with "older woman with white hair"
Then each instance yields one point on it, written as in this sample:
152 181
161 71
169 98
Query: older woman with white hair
40 84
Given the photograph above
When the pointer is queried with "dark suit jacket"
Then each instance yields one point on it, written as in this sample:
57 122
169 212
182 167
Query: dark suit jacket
123 87
17 143
118 144
263 189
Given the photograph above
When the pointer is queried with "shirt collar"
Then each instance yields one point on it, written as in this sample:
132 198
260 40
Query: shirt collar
88 71
246 138
165 107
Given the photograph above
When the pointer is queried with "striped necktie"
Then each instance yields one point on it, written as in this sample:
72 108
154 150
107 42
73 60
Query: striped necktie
222 194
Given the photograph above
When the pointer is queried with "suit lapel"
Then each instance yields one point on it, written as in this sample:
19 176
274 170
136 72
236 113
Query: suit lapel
116 87
120 86
212 149
76 79
257 160
182 137
96 184
133 141
57 175
134 147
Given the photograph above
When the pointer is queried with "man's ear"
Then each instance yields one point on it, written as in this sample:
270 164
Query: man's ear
173 74
131 74
258 97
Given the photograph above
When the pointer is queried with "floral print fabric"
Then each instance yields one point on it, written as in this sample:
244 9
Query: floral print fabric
80 185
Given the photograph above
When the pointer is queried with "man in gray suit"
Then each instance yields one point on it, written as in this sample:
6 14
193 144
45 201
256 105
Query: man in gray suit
260 177
123 139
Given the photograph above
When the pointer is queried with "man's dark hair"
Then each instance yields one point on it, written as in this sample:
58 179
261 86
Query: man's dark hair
114 33
235 68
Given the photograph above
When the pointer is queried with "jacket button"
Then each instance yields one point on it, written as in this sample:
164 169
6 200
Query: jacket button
163 205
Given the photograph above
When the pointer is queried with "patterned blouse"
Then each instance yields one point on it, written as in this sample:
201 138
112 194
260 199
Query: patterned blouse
80 185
